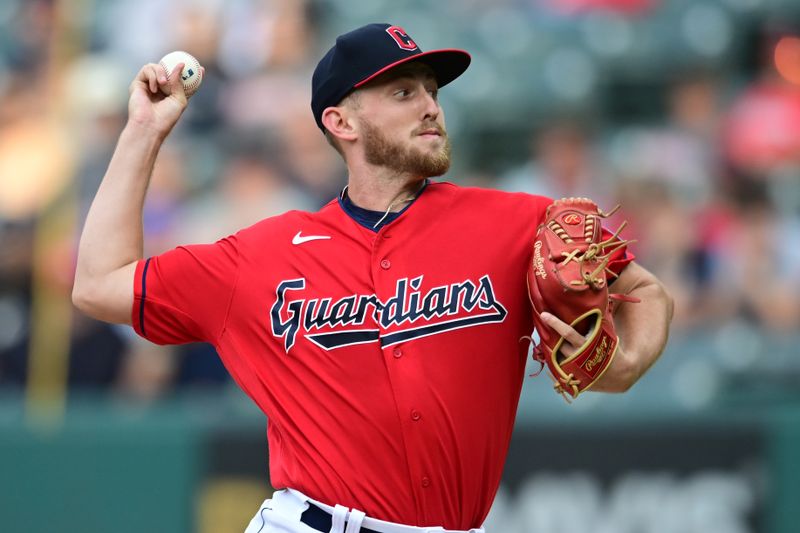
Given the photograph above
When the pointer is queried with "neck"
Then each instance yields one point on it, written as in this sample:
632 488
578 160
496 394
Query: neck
382 191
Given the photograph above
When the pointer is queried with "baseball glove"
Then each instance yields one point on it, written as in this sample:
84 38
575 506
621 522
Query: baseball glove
568 277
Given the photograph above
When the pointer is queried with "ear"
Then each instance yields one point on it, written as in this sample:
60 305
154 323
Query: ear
339 123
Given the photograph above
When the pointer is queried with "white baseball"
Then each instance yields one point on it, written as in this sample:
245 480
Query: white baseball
191 74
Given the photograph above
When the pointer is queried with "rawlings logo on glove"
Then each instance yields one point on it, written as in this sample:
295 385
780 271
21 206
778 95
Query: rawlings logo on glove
567 277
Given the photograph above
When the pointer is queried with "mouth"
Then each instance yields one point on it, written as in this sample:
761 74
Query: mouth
431 132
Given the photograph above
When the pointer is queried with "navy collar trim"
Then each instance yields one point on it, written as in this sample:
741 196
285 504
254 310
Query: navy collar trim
368 218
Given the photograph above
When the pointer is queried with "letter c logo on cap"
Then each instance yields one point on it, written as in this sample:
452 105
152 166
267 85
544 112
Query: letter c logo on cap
401 38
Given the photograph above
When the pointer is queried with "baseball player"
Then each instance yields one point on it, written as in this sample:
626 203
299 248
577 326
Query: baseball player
380 335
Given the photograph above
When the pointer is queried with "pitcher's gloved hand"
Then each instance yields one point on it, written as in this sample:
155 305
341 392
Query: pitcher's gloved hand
568 278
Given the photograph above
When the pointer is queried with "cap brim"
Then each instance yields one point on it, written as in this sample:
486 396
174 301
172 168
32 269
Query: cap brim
447 65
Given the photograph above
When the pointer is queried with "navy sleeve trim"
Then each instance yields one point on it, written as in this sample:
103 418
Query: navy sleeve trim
144 296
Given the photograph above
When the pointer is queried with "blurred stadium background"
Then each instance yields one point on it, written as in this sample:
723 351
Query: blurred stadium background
685 111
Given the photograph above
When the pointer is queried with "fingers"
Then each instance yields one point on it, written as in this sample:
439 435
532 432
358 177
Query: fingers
152 76
156 79
162 76
571 336
173 85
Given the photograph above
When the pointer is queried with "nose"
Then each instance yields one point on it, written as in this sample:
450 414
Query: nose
431 106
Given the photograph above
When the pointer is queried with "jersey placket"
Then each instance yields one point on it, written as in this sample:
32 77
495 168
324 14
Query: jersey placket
386 271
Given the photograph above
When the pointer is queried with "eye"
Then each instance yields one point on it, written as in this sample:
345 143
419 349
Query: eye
434 92
402 93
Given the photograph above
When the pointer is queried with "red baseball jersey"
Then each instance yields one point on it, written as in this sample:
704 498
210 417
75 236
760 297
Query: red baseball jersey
389 363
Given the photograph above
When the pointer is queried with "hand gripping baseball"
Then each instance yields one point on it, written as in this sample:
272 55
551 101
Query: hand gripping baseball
157 98
567 279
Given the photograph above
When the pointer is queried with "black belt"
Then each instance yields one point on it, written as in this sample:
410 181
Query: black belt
321 520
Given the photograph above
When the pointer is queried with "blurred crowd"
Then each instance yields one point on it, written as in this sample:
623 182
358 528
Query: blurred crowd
704 158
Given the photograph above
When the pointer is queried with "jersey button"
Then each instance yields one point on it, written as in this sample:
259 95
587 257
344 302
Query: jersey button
415 415
398 353
386 264
426 481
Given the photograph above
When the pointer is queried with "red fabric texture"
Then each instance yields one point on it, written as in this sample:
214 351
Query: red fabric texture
389 364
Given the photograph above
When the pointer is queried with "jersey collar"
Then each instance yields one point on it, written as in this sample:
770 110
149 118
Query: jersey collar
373 220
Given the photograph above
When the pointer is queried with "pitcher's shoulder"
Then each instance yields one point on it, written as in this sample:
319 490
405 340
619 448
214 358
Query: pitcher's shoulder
489 198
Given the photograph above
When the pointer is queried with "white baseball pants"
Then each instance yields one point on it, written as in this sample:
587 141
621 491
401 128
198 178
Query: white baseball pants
281 514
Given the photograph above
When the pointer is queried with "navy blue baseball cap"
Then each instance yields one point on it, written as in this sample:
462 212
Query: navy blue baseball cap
367 52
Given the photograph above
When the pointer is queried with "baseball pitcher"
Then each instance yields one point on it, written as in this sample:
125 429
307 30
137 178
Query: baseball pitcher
384 336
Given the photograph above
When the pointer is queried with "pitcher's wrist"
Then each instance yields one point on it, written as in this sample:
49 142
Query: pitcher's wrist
140 132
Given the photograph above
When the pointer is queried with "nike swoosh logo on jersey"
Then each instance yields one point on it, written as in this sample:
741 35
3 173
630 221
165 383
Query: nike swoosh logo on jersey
300 239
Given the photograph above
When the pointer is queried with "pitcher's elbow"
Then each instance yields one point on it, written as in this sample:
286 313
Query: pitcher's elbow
81 297
669 300
626 373
88 298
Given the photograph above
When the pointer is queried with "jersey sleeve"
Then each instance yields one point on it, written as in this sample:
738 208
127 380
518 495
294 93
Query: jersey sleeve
184 294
